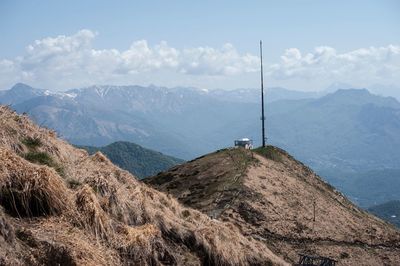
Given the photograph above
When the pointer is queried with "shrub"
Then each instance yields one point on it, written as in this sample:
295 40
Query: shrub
32 143
73 183
185 213
40 158
45 159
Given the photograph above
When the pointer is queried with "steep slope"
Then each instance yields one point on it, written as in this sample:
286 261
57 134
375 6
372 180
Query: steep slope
139 161
58 205
271 197
389 211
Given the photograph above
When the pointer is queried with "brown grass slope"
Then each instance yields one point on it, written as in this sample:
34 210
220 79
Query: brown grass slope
59 206
271 197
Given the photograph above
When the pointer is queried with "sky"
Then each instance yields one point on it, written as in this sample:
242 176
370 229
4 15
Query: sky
307 44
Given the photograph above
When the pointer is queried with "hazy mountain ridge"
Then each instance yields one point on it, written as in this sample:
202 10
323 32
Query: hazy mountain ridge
18 93
139 161
389 211
207 120
366 188
345 129
253 95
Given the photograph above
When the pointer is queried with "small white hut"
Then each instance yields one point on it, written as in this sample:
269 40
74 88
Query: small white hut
244 143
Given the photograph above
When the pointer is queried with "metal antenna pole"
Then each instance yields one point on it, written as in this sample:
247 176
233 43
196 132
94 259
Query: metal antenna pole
262 98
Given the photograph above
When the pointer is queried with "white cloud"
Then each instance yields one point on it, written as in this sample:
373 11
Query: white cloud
71 61
365 65
65 61
210 61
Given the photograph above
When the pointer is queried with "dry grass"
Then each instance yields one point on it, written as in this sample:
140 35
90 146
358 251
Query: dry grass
142 245
133 203
29 191
92 216
106 218
55 241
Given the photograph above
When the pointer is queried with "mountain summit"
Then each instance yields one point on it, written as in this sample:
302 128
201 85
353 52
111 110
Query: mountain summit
276 199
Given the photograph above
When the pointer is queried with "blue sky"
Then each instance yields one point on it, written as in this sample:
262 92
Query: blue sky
307 44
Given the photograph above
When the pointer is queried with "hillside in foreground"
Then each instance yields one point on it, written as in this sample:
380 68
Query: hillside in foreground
139 161
60 206
272 197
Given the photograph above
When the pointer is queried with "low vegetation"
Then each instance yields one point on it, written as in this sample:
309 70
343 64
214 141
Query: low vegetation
73 183
270 152
38 156
32 143
45 159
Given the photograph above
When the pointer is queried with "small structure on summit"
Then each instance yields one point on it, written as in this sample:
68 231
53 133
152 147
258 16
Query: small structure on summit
244 143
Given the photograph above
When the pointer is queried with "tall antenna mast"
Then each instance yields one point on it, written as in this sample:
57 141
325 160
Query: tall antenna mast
262 98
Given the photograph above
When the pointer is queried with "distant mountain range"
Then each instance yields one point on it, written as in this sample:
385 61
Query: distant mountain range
183 122
338 131
139 161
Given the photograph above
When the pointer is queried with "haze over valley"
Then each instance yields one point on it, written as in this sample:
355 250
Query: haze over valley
338 133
